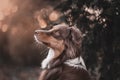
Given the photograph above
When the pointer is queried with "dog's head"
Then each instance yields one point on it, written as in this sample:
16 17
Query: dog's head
61 38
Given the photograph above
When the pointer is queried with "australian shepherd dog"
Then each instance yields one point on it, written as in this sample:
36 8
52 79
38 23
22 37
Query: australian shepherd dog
64 61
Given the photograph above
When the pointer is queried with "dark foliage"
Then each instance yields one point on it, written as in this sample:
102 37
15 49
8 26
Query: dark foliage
101 44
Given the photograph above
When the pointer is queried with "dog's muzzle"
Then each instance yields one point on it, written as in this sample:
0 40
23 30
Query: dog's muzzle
38 33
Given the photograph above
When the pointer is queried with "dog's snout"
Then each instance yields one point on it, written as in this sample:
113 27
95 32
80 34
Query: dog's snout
36 32
41 31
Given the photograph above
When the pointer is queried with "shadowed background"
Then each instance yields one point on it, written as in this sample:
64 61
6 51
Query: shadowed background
20 56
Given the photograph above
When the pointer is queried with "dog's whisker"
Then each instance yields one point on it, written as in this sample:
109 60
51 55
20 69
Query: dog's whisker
42 48
35 44
44 51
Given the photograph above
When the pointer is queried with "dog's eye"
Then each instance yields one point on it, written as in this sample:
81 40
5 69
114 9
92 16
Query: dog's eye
56 33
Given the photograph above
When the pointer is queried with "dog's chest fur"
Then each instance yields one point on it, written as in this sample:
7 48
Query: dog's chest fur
72 69
76 62
46 61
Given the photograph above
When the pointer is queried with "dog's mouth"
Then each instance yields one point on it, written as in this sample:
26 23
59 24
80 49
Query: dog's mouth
41 37
36 39
45 43
40 42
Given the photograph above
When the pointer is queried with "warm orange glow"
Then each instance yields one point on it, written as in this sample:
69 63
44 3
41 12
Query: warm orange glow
4 27
54 16
14 30
0 25
14 9
41 22
1 16
6 8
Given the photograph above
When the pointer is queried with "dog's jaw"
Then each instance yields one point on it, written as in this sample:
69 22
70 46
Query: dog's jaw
35 37
46 61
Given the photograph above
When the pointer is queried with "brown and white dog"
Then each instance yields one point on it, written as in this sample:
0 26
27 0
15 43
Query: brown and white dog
64 61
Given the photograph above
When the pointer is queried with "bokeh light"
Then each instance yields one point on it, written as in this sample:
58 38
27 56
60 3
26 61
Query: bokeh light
4 28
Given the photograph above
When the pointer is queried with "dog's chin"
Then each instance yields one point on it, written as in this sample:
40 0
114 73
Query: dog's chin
36 39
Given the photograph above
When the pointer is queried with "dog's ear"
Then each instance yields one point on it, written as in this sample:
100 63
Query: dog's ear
65 33
76 35
73 42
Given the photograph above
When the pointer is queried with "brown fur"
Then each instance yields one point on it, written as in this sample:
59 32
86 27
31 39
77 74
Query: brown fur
66 43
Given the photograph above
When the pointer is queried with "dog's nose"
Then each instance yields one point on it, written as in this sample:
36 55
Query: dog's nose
36 32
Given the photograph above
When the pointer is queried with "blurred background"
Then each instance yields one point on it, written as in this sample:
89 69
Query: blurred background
99 21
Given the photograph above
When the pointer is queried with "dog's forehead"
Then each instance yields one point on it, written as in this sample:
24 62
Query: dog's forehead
60 26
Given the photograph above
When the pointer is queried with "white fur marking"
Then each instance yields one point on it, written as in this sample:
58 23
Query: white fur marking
82 61
35 37
76 63
45 62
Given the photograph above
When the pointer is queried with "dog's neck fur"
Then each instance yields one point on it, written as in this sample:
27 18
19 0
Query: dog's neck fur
52 54
46 61
76 62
